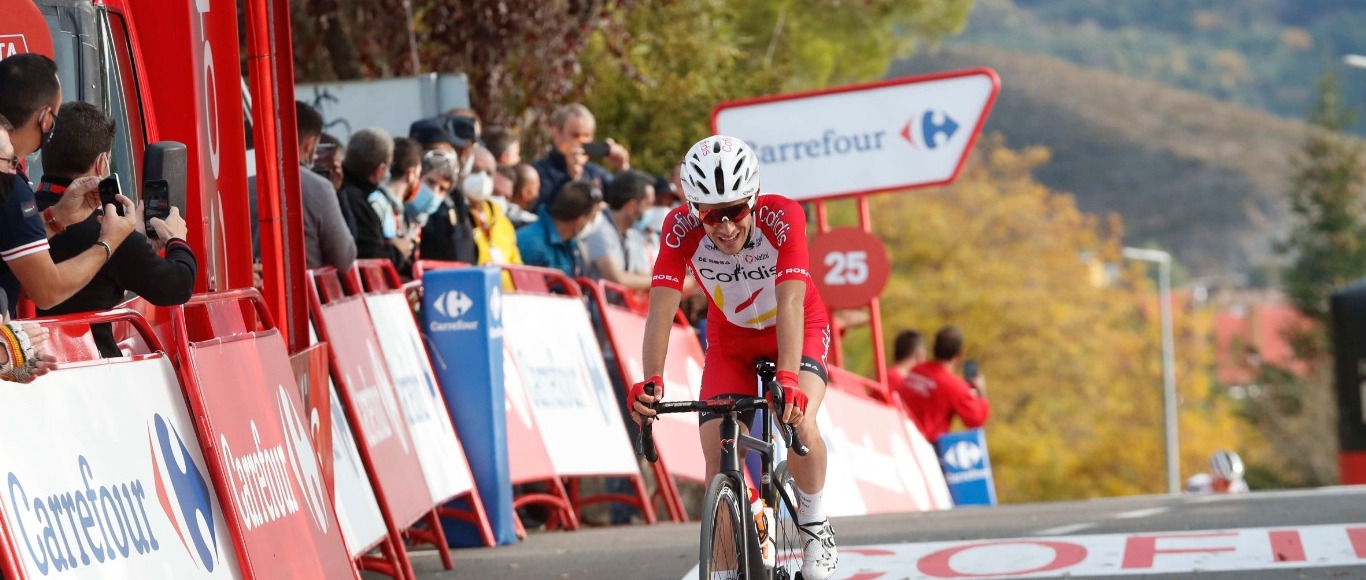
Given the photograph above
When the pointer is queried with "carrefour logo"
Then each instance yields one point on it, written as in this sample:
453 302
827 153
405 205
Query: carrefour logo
963 455
452 304
184 494
930 129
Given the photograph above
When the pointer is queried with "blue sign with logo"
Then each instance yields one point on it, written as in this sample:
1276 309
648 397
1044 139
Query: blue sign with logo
462 322
967 467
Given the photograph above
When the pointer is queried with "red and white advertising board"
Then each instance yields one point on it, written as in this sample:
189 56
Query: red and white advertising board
443 459
567 387
24 30
871 442
358 514
244 387
104 477
365 387
528 459
675 434
861 139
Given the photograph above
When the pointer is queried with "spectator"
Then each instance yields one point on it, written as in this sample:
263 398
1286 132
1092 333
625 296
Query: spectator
908 350
82 146
332 167
553 241
934 394
616 248
526 191
438 177
28 340
327 237
31 96
368 156
503 144
405 179
448 232
494 235
468 115
571 126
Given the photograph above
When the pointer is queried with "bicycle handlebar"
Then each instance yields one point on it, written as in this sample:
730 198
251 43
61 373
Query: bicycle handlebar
645 443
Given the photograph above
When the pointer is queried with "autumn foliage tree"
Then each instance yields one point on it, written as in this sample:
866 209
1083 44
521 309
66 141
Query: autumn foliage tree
1070 347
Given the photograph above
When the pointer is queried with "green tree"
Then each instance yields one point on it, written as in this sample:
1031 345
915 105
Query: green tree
654 88
1327 249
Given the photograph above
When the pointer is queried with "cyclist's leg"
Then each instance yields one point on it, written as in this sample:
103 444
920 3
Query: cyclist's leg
809 471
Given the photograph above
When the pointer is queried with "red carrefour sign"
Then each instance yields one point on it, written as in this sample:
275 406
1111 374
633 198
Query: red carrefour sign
23 30
850 267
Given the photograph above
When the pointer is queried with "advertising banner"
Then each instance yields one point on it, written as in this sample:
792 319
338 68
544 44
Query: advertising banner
871 440
895 134
109 480
529 460
364 385
675 434
462 323
567 384
967 467
443 460
253 414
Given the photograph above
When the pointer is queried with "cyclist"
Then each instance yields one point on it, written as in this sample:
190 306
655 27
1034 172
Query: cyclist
748 251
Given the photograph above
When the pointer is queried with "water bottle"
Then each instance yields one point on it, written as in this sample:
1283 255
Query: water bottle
763 522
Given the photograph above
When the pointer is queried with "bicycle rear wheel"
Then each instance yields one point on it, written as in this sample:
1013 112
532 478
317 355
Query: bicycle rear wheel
723 553
787 539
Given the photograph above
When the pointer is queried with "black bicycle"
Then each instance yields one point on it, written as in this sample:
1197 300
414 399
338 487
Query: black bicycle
730 535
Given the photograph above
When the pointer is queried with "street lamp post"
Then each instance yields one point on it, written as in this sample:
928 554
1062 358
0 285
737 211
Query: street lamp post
1164 282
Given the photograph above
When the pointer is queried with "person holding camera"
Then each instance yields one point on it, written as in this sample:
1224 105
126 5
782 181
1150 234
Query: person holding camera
30 98
572 128
81 147
933 393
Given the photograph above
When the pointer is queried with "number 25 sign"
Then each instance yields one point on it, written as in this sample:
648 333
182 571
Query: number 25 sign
850 267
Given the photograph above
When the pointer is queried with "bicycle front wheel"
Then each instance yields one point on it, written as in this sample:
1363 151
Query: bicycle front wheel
787 538
725 513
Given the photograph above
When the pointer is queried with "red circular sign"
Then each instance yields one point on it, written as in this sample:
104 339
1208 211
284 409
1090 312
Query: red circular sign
24 30
850 267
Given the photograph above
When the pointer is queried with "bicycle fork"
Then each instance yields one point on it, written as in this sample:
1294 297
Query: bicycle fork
731 466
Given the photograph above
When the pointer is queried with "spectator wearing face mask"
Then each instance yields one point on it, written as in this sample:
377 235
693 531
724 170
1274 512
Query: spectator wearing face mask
571 127
327 238
494 235
448 230
368 157
616 248
553 241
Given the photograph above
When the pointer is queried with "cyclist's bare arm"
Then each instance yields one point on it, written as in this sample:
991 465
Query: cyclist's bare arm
791 325
658 324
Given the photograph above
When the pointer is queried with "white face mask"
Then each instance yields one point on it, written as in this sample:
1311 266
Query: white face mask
477 186
468 165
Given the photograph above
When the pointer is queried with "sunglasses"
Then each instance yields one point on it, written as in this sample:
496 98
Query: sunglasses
733 213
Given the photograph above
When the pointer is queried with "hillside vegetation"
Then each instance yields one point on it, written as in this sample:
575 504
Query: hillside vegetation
1202 178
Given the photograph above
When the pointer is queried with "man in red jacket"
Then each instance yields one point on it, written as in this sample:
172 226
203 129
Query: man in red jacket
934 393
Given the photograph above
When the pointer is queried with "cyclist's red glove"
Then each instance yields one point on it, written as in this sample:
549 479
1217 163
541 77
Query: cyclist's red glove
791 394
638 389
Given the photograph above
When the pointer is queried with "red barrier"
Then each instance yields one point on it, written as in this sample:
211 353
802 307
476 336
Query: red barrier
372 408
623 323
439 448
537 280
242 392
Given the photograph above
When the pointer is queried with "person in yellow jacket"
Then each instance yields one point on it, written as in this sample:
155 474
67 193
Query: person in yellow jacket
494 235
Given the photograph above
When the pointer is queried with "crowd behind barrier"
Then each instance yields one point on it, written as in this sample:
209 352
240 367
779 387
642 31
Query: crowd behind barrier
260 465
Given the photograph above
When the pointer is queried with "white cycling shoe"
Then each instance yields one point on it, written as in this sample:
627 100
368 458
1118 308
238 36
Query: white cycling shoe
819 556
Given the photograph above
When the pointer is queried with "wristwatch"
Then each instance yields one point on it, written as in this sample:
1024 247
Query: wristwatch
52 223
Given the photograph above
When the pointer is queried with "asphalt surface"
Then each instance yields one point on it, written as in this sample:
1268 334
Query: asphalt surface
668 551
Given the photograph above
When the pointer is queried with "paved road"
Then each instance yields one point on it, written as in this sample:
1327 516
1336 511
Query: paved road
1317 533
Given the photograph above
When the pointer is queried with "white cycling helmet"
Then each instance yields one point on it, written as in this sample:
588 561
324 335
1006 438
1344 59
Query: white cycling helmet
1226 465
719 169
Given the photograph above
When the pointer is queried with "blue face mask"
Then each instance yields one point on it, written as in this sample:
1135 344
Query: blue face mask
425 202
652 220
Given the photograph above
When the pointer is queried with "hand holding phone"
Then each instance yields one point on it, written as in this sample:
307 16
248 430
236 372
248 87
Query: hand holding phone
324 155
596 149
970 370
156 199
109 190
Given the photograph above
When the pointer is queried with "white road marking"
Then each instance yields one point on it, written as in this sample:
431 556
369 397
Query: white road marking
1141 513
1063 530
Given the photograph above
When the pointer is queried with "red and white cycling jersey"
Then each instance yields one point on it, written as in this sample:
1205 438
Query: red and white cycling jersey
743 287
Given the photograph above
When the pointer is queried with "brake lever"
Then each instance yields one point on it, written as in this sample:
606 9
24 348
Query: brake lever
645 439
794 442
